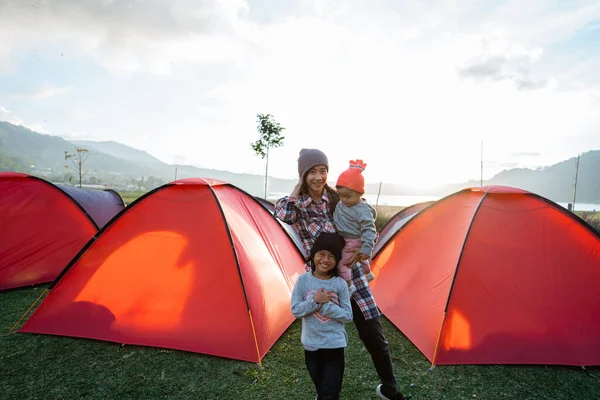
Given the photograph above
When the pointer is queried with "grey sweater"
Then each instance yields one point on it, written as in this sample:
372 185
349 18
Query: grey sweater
322 329
357 222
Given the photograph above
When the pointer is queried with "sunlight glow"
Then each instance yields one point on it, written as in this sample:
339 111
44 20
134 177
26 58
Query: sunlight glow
382 259
136 282
457 332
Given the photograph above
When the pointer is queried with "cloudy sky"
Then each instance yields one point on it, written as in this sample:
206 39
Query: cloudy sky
411 87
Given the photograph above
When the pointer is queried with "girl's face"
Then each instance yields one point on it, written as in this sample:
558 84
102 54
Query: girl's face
324 262
316 178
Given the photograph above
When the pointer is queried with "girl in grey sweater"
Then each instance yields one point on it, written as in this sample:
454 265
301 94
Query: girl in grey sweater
322 300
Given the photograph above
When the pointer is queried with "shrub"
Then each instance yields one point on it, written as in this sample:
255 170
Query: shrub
380 221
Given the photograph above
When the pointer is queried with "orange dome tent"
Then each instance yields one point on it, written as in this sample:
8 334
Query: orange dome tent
396 222
494 275
195 265
43 226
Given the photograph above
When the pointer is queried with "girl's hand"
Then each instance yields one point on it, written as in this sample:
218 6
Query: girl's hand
322 296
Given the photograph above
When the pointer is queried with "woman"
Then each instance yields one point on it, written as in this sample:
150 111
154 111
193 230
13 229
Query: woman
309 208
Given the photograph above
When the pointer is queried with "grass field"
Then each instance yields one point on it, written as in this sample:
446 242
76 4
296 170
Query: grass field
130 197
52 367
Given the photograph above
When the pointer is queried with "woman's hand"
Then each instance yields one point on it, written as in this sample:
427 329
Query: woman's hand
296 190
322 296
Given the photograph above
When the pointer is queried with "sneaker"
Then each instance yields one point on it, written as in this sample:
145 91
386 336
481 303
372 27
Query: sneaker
397 396
370 276
352 289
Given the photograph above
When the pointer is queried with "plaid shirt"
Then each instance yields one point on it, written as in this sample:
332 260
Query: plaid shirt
310 218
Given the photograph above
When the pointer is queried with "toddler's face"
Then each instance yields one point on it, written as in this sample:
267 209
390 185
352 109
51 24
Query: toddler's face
348 197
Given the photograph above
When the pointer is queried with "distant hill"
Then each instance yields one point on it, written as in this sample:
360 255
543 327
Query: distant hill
114 162
556 181
45 151
115 149
117 163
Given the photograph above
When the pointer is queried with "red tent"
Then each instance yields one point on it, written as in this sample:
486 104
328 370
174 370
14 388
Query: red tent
494 275
43 226
291 231
195 265
396 222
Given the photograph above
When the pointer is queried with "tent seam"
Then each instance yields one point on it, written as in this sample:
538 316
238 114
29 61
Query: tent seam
237 263
455 275
432 205
100 232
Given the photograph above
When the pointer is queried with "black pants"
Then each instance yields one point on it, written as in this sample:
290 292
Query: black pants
326 369
371 333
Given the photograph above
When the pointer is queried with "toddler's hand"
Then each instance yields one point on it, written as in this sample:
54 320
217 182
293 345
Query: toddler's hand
359 257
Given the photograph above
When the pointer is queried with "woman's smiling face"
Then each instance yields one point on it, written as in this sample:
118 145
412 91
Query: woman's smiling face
316 178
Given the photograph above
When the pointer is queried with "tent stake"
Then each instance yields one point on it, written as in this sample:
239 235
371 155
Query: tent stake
586 371
27 312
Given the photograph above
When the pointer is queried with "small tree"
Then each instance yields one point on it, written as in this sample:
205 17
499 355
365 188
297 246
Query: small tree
77 160
269 136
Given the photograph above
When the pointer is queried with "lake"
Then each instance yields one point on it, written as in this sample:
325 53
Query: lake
392 200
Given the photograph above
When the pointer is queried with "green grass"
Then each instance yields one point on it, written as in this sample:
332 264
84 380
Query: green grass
590 214
52 367
130 197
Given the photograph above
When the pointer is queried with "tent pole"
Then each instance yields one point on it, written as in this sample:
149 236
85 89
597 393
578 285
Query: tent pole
481 176
575 184
378 193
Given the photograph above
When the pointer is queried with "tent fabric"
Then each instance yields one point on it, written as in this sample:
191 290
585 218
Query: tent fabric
494 275
100 205
42 228
396 222
290 230
196 265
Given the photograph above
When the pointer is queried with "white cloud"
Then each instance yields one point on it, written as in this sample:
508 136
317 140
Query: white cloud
411 87
124 37
49 91
500 60
7 116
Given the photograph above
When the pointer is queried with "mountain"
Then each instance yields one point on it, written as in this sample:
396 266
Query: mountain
556 182
48 152
122 166
110 162
122 151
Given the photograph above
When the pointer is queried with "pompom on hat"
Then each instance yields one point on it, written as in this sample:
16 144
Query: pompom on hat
352 178
310 158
